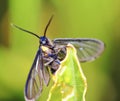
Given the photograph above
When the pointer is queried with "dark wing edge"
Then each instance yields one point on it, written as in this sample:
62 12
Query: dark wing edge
88 49
37 78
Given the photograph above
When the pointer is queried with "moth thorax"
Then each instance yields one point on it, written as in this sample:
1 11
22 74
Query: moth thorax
45 49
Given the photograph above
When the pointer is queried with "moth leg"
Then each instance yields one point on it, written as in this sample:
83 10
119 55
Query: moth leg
55 65
49 61
61 52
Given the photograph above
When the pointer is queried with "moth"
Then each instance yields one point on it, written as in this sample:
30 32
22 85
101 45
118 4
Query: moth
50 54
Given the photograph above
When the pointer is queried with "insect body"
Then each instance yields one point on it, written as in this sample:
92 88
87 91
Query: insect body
48 58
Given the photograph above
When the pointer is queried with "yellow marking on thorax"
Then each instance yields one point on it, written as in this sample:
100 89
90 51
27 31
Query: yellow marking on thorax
45 49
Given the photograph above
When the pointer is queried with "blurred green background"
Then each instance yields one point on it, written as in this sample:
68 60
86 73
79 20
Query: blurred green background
73 18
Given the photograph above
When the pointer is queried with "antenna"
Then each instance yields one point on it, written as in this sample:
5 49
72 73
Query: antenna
48 25
25 30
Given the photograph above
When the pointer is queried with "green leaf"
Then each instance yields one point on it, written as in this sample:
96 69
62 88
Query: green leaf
69 80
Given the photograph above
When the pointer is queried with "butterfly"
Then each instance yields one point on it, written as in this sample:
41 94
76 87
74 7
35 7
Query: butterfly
49 55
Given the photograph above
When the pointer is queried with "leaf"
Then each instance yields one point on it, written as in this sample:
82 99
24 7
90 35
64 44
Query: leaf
69 80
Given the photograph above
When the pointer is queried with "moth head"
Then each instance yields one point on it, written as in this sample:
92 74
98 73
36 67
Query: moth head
43 40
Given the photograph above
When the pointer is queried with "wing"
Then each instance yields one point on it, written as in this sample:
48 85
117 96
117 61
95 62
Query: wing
37 78
87 49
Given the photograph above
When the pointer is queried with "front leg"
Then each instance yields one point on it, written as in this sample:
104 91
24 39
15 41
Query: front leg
48 60
60 51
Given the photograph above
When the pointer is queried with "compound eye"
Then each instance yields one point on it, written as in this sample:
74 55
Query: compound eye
44 42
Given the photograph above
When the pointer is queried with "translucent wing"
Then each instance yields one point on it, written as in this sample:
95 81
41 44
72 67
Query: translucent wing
87 49
38 76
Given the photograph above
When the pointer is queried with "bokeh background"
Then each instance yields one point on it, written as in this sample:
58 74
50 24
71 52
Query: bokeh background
73 18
